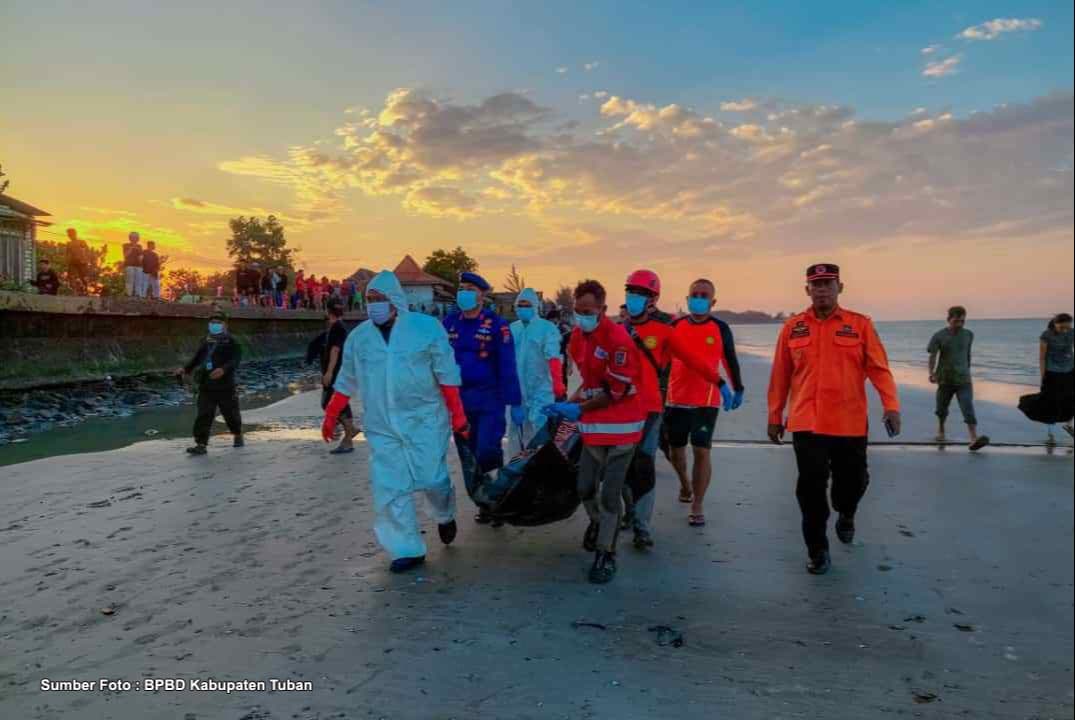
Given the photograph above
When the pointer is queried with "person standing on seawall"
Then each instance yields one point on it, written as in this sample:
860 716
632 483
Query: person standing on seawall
823 357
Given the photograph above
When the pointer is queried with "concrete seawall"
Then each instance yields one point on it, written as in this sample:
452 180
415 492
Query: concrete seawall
60 339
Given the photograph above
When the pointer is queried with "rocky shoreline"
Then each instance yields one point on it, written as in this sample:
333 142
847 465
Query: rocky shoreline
24 413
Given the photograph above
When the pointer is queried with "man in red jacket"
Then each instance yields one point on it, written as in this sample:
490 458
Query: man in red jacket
610 415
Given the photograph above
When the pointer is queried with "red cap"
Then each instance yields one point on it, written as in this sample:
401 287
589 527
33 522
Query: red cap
645 280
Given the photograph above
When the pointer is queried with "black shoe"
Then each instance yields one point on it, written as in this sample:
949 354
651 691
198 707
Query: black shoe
400 565
589 539
604 568
197 450
643 539
447 531
628 519
845 528
819 564
238 441
483 517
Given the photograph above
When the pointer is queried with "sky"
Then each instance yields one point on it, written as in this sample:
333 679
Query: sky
926 148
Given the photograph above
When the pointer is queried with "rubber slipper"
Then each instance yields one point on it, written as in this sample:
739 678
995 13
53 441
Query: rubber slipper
686 498
980 443
696 520
341 451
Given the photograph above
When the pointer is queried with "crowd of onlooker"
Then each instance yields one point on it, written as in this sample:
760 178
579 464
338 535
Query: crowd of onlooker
264 286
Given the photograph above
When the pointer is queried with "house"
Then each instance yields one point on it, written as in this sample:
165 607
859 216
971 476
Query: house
425 292
18 238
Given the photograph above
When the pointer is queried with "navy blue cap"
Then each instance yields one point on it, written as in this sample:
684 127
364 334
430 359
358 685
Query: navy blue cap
475 279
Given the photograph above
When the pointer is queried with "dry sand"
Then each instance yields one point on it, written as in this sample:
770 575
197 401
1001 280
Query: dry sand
955 600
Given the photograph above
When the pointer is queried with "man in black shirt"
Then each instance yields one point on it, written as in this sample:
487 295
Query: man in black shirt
151 268
47 282
331 357
213 366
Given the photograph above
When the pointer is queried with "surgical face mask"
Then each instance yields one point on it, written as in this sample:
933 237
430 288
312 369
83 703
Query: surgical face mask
636 304
586 323
526 314
379 312
215 328
467 300
698 305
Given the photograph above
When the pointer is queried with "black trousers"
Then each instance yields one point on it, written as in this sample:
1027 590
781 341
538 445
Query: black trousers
227 401
818 456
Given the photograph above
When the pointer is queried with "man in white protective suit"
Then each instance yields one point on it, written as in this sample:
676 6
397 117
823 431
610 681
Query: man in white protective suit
539 366
403 370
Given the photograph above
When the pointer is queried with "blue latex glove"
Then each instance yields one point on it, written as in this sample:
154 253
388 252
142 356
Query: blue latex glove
726 396
518 415
566 410
737 399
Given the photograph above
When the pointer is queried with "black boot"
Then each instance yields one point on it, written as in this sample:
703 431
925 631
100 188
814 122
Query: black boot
400 565
483 517
447 531
238 441
845 528
819 563
604 567
197 450
589 539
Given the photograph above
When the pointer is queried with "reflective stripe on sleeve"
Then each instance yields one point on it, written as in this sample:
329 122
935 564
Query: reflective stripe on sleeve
612 428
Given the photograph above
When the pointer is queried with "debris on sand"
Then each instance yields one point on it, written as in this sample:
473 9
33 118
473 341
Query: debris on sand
667 636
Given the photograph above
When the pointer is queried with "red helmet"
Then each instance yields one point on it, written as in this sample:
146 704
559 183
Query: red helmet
646 280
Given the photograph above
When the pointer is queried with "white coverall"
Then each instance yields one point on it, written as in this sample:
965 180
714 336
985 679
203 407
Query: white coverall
405 420
536 342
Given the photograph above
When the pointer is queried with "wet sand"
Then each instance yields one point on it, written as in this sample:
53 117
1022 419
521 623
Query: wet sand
955 600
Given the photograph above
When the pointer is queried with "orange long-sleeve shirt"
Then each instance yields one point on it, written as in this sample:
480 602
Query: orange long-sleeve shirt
823 365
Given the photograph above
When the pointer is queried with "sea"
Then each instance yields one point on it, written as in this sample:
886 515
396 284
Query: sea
1004 358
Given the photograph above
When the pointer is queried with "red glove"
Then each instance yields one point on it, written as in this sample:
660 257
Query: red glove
556 370
455 408
332 415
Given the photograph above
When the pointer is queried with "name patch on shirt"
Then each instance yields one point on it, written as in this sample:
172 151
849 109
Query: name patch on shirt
600 353
847 331
800 330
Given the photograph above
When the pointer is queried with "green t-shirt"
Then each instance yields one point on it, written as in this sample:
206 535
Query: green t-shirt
953 361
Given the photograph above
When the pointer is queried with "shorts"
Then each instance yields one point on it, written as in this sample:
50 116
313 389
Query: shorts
694 423
326 395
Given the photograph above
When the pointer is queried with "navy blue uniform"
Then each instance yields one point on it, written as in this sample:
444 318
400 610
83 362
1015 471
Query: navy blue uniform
485 353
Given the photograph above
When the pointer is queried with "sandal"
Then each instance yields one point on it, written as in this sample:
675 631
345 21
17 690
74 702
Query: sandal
980 443
687 497
696 520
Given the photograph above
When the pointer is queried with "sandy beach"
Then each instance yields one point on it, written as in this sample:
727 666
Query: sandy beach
260 563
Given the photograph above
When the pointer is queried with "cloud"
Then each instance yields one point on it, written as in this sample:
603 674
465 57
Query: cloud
930 49
796 177
942 68
993 29
601 94
591 66
561 70
739 105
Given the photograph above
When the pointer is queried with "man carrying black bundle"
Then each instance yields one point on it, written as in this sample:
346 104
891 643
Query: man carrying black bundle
213 367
